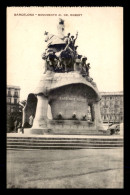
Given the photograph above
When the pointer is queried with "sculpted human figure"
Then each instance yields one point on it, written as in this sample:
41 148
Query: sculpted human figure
66 38
60 28
87 69
75 51
51 62
59 67
68 45
67 60
61 21
83 63
77 65
72 41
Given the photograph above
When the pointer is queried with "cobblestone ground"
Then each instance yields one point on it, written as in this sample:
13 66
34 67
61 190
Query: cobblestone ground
83 168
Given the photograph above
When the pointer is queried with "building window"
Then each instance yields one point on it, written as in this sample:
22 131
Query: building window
107 103
116 106
121 102
121 110
16 93
102 103
9 100
9 92
15 101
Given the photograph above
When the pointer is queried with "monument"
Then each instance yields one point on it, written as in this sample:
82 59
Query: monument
67 87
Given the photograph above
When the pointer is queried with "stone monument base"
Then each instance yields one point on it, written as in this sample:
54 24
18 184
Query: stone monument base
67 127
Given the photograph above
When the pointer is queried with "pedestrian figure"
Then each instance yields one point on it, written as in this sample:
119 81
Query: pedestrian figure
19 126
31 118
15 126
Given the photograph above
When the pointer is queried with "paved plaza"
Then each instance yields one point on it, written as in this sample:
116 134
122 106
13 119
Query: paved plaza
83 168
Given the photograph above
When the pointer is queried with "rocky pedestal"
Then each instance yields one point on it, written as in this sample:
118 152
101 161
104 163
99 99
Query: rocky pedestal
70 96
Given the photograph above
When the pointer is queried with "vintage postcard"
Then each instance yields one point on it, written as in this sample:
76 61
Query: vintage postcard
64 97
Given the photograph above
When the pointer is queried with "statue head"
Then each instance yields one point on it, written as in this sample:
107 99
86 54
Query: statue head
61 21
79 56
45 33
84 58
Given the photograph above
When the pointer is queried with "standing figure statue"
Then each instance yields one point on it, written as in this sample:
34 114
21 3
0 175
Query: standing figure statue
61 28
66 38
85 67
72 42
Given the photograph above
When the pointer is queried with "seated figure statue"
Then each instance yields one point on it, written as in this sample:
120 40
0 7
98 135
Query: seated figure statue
67 59
52 62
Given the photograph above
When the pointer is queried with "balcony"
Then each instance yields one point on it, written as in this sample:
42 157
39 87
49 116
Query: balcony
9 95
15 96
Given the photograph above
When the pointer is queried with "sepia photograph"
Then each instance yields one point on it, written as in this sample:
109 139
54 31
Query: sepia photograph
65 114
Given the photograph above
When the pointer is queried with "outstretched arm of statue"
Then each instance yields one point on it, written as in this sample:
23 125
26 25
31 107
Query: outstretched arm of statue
75 39
76 35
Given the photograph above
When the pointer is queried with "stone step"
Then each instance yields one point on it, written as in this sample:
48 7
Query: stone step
56 143
30 149
83 132
60 141
62 147
65 138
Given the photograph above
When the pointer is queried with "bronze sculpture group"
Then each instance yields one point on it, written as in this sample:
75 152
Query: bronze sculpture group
61 55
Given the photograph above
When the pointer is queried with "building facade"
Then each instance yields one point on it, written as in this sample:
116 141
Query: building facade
111 106
13 98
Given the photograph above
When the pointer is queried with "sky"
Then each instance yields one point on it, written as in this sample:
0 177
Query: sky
100 38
